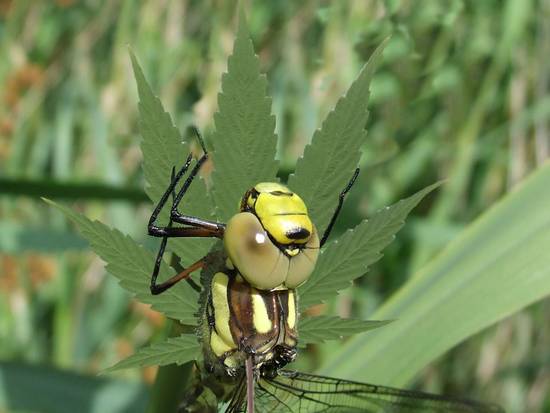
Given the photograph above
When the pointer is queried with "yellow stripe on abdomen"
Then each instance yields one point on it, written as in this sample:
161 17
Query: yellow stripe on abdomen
261 320
218 346
221 312
291 316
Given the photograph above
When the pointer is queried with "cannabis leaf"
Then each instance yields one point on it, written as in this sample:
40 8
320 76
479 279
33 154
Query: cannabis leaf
329 161
244 141
162 145
178 350
321 328
349 257
132 265
164 149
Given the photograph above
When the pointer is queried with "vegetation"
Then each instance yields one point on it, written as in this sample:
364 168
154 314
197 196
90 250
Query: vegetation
460 94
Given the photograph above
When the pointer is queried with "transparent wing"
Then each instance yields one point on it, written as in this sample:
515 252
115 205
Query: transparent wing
298 392
225 398
237 399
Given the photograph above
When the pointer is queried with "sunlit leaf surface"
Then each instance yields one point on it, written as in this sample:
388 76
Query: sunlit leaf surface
132 265
244 141
177 350
330 159
163 148
349 256
321 328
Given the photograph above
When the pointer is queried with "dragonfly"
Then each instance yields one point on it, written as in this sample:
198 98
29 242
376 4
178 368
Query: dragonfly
249 307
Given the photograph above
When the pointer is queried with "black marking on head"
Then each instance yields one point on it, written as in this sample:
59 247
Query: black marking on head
251 193
289 214
297 233
281 193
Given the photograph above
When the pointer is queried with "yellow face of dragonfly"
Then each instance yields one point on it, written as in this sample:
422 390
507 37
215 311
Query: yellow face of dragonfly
272 241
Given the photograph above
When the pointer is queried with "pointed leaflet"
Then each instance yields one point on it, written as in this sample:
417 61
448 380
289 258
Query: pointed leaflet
329 161
132 265
175 350
244 141
321 328
163 149
349 257
162 145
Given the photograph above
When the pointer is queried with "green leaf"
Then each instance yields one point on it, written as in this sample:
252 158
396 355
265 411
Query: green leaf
132 265
321 328
244 140
349 257
163 149
495 267
41 388
162 146
175 350
329 161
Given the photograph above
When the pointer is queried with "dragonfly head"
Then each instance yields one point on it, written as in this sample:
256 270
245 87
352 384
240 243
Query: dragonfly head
282 213
272 241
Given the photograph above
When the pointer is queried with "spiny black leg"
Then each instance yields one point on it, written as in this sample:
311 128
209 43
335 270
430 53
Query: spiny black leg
176 260
200 229
185 232
172 179
211 228
199 138
339 207
170 190
196 227
185 272
160 253
153 286
175 215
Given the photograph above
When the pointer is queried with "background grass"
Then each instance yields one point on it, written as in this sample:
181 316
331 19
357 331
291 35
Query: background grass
461 94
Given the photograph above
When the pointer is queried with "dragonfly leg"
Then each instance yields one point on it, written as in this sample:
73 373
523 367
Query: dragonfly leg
249 366
159 288
283 356
339 206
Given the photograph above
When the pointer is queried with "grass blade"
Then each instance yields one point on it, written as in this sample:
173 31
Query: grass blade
501 259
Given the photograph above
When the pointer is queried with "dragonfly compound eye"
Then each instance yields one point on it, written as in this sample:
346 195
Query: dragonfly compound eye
258 260
262 263
302 264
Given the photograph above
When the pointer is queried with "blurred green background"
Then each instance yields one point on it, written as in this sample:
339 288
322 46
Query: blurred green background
462 95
